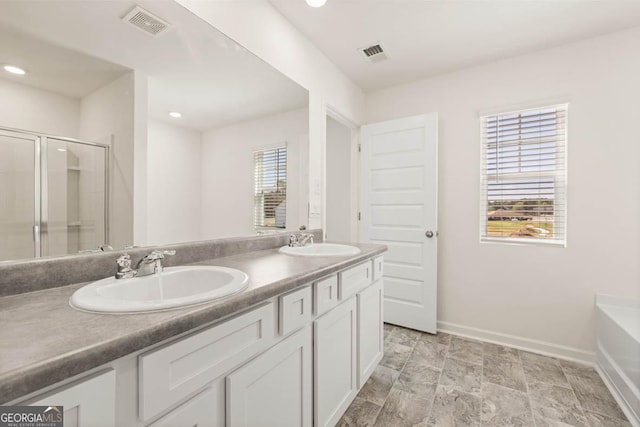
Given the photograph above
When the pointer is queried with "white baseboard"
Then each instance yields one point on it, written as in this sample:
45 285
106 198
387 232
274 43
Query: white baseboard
534 346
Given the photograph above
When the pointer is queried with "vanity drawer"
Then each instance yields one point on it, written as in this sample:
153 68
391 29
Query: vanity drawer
176 371
325 294
295 310
378 268
354 279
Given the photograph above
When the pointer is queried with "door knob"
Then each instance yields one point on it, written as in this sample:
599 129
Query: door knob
429 234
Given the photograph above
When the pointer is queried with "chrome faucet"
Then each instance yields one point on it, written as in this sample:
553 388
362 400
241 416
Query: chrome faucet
150 264
303 239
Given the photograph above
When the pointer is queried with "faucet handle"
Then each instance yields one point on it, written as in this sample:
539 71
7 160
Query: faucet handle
124 267
124 260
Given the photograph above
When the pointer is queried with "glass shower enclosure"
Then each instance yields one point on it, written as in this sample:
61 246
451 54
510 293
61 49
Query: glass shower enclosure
54 195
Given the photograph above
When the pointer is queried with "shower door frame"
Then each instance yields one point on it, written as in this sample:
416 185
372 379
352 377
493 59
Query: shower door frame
40 141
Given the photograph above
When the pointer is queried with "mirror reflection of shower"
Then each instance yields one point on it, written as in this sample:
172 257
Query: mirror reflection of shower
53 195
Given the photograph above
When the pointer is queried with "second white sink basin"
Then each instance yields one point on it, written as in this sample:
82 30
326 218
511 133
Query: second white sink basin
321 249
174 287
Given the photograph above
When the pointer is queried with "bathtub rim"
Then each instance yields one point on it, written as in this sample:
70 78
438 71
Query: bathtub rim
604 301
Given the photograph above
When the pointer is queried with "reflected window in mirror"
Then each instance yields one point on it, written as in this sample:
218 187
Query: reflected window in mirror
270 188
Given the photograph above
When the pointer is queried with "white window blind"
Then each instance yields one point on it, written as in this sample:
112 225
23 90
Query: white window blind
270 188
523 176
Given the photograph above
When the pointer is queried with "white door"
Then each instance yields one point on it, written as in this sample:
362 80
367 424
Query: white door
398 208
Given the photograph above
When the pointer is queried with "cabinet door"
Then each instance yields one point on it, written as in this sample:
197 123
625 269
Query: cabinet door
335 363
198 411
90 403
274 389
370 338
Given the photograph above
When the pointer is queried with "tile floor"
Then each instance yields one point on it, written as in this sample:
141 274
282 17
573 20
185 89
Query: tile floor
444 380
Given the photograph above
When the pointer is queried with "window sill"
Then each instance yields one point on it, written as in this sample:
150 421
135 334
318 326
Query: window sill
520 241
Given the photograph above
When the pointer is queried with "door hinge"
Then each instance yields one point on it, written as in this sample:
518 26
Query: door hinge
359 216
359 148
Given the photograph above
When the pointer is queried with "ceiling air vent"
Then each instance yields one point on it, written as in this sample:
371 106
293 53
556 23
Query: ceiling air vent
146 21
374 53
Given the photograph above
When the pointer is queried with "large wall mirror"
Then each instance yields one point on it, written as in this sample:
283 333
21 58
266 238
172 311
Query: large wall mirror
127 106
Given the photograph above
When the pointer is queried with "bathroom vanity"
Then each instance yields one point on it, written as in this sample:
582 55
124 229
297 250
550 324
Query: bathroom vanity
291 350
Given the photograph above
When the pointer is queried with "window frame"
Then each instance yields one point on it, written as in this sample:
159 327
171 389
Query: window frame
558 174
262 149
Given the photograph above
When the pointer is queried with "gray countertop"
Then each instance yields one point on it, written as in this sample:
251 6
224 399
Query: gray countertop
44 341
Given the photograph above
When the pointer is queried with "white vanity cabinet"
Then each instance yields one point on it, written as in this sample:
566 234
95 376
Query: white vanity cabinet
335 358
348 339
275 388
174 372
295 360
370 330
88 403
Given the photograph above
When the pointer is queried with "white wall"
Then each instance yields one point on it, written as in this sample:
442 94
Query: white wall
28 108
227 172
541 294
108 114
174 184
140 117
338 181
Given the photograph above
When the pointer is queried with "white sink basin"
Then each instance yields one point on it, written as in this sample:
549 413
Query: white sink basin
321 249
174 287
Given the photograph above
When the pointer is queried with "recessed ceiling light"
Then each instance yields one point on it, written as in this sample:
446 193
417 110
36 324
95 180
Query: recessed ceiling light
14 70
316 3
175 114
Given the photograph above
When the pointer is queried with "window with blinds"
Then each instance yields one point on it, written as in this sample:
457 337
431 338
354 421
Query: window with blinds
523 195
270 188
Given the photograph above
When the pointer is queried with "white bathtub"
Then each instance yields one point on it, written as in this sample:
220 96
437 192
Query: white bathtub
618 350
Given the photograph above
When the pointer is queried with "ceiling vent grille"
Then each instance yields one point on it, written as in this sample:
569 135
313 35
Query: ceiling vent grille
374 53
146 21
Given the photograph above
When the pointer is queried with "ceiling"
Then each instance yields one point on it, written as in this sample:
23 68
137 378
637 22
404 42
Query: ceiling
75 47
424 38
55 68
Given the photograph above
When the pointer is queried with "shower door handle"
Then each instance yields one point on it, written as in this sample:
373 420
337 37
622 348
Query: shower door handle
36 233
